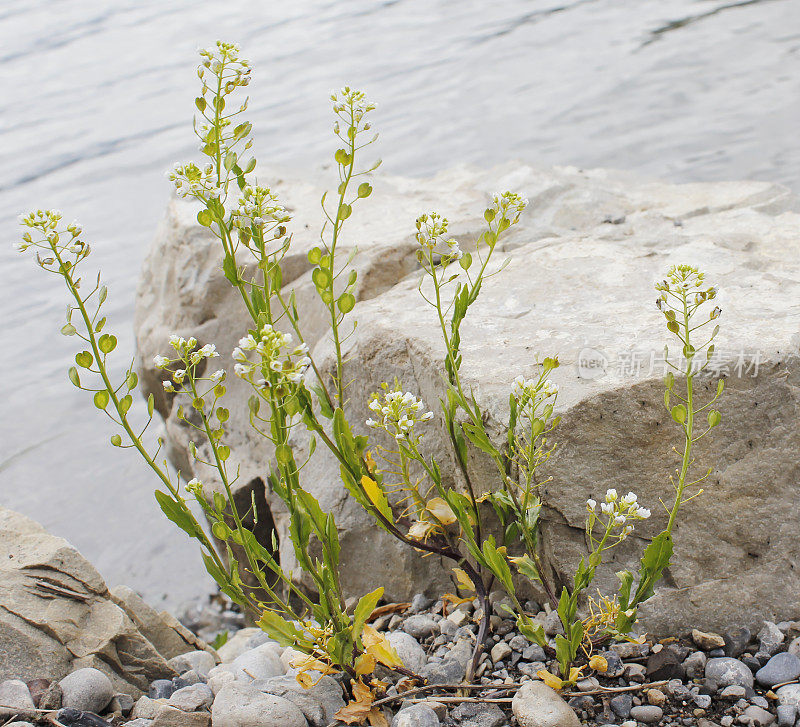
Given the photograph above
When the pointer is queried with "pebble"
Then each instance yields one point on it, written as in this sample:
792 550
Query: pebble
770 638
783 667
647 713
534 652
416 715
87 690
146 708
656 697
242 705
52 698
789 694
665 664
168 716
615 666
786 715
262 662
736 641
122 703
161 689
420 626
621 705
537 705
479 715
758 716
201 662
702 700
635 672
420 602
408 649
734 691
15 698
724 671
500 651
70 717
707 640
192 698
446 671
695 665
139 722
630 650
520 643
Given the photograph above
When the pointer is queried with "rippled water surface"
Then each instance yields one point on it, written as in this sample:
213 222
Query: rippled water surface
97 102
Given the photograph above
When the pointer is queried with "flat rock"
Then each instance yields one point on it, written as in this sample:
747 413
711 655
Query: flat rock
192 698
319 703
242 705
479 715
198 661
262 662
537 705
781 668
647 713
707 640
15 699
577 287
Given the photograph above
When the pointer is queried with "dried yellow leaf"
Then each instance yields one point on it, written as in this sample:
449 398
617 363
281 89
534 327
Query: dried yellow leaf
380 648
420 529
357 711
365 664
441 511
598 663
551 680
464 581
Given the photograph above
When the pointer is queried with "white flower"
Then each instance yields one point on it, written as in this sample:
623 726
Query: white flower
606 507
426 417
179 375
611 495
629 499
372 424
591 504
248 343
643 513
208 351
160 361
217 376
168 386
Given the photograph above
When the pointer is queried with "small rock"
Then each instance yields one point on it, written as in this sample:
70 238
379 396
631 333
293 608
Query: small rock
242 705
139 722
702 700
630 650
18 724
621 705
15 698
582 703
537 705
770 638
161 689
789 694
237 644
417 715
262 662
52 698
758 716
169 716
552 624
759 701
656 697
199 661
787 713
500 651
419 603
319 703
145 708
725 671
479 715
420 626
707 640
122 703
519 643
70 717
587 685
647 713
734 691
783 667
458 617
635 673
615 666
446 671
408 649
695 665
193 698
187 679
736 641
665 664
794 646
677 690
534 652
87 690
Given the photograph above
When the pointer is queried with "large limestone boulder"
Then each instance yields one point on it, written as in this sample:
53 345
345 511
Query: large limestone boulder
56 615
579 284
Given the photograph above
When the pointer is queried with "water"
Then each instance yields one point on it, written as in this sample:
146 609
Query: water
97 102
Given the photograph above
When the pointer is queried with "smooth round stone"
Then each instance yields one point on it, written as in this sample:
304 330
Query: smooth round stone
161 689
408 649
537 705
241 705
647 713
789 694
87 690
193 698
783 667
420 626
262 662
200 662
417 715
724 671
786 715
15 695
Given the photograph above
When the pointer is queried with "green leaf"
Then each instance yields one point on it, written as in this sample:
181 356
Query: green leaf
84 359
364 607
465 261
498 564
527 568
107 343
564 654
531 630
283 631
626 581
364 189
283 453
73 376
68 330
229 270
477 436
205 218
116 440
655 560
346 302
101 399
345 210
678 413
230 160
714 418
342 157
176 513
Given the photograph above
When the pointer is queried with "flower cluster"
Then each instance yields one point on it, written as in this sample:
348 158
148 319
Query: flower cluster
509 206
431 229
46 222
272 347
191 181
619 513
349 98
189 358
259 208
684 285
226 57
536 390
397 412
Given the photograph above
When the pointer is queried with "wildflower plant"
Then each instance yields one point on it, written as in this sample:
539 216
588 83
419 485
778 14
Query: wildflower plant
387 472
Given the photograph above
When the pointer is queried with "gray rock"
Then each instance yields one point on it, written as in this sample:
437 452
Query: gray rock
139 722
552 624
88 690
702 700
446 671
169 716
76 718
122 703
519 643
145 708
789 694
318 703
416 715
783 667
500 651
193 698
707 640
161 689
787 713
770 638
758 716
647 713
408 649
736 641
615 665
419 603
695 665
621 705
15 698
725 671
262 662
734 691
18 724
534 652
537 705
420 626
242 705
200 662
57 615
794 646
479 715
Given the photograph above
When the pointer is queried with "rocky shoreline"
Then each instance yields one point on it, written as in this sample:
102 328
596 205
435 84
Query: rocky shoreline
705 679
